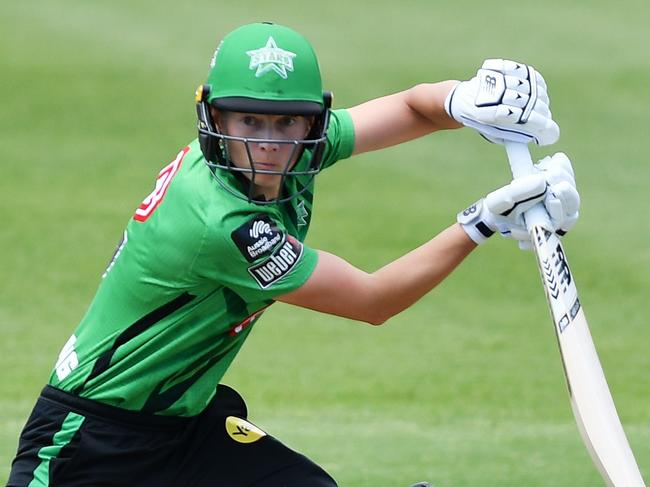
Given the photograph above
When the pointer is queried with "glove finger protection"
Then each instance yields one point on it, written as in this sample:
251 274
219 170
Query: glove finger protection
505 101
557 163
562 200
503 210
509 203
514 98
515 198
517 71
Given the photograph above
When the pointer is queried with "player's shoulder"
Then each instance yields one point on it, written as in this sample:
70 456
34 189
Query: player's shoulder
195 194
194 177
189 204
340 137
181 203
252 228
341 126
221 211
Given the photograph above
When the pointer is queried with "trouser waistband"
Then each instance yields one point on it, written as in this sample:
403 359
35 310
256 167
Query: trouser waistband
89 407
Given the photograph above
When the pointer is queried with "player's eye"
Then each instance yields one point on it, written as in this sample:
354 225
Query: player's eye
286 122
250 121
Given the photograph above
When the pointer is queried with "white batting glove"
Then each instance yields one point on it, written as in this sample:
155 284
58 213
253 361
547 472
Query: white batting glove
552 184
505 101
562 199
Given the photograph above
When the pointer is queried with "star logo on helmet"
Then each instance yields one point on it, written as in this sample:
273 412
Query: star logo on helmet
271 58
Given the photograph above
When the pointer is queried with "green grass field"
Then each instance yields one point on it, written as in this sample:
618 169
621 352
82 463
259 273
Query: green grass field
463 389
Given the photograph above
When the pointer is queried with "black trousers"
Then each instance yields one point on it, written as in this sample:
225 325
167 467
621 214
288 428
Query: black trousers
72 442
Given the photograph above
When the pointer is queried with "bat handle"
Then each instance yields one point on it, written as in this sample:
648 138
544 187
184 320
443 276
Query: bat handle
521 164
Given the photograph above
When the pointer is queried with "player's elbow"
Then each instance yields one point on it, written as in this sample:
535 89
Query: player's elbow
377 305
378 311
376 319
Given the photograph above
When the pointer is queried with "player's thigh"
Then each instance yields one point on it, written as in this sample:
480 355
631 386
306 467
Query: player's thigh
263 462
65 448
226 449
304 473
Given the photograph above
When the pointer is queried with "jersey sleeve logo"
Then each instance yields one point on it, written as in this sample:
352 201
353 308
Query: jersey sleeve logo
257 237
165 177
279 264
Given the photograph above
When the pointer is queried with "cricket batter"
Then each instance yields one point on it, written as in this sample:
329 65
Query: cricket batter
134 398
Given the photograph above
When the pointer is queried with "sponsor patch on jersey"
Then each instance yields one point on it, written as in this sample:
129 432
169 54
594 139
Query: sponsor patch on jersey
242 431
279 264
257 237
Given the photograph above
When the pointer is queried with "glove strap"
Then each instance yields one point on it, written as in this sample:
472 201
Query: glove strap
473 220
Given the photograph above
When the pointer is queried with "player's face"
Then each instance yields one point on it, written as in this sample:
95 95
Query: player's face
270 155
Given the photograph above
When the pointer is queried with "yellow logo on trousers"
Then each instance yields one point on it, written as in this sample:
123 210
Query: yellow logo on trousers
242 431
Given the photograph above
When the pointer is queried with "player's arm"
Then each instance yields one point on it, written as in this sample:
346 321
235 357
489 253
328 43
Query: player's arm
337 287
400 117
505 101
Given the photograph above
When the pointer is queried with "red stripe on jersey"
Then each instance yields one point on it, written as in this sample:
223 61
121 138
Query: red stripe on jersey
238 328
165 177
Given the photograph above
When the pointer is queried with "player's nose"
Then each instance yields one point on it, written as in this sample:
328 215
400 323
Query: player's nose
269 146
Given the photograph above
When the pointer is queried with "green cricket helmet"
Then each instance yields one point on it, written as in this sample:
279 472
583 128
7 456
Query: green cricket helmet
263 68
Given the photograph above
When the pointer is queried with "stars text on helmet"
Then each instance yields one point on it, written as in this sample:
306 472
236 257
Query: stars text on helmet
271 58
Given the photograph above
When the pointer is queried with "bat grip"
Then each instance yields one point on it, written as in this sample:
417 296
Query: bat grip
521 164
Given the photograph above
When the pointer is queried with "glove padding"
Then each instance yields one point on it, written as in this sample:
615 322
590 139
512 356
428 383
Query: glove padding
505 101
551 183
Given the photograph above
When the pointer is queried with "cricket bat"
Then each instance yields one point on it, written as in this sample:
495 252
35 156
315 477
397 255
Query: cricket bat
591 400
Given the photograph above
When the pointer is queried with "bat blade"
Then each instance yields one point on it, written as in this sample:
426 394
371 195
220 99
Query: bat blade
591 400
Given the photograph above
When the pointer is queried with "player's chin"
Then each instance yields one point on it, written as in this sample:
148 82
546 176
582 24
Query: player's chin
263 179
268 183
262 176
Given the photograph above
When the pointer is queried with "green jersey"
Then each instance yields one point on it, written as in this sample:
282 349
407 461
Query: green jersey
195 269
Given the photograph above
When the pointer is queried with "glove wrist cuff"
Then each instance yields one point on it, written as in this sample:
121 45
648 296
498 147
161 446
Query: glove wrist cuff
476 223
447 104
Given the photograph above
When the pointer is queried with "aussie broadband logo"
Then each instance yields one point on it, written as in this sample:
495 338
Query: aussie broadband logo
259 227
257 237
278 265
263 245
264 239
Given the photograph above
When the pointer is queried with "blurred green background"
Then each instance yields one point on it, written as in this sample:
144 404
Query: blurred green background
465 388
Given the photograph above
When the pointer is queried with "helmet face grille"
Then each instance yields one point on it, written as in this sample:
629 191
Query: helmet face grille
304 159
